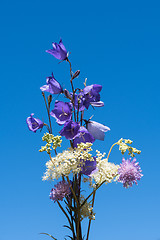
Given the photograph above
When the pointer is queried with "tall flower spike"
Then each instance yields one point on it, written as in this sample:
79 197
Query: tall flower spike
129 172
52 86
59 51
34 123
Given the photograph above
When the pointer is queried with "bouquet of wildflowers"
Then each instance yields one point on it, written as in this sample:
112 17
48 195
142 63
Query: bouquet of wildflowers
76 165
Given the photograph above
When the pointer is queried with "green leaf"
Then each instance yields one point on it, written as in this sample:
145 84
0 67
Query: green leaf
67 227
49 235
69 237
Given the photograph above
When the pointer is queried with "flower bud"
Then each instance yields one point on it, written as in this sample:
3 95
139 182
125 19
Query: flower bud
49 99
67 94
76 74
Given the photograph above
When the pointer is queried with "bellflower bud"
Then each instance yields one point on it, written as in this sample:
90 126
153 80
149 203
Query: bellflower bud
67 94
76 74
49 99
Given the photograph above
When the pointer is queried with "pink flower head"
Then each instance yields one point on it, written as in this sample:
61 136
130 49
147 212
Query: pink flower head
129 172
59 191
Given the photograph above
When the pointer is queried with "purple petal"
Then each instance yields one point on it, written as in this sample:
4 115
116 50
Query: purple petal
45 88
70 130
62 112
87 89
97 130
89 167
54 53
129 172
97 104
59 51
34 123
83 136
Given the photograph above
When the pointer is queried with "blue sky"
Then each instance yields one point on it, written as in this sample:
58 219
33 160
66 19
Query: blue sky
113 43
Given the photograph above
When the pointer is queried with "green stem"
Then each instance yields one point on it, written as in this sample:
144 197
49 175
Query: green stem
50 130
72 88
111 150
89 225
72 190
64 213
92 193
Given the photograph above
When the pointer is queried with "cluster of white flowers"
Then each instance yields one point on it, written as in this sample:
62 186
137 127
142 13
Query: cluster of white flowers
123 147
50 139
86 210
107 171
69 161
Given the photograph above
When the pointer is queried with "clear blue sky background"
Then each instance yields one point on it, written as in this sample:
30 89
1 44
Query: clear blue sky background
113 43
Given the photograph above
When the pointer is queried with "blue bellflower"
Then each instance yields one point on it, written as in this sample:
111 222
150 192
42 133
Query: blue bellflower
89 167
97 129
52 86
62 112
34 123
91 94
79 101
70 130
83 136
59 51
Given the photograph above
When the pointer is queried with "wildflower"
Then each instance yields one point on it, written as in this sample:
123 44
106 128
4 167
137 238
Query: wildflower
61 190
89 167
86 210
62 112
52 86
50 139
107 172
123 147
59 51
91 94
34 123
97 104
79 101
69 161
70 129
83 136
67 94
97 129
129 172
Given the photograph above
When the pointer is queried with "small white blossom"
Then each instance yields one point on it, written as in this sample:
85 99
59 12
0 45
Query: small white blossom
106 171
86 210
123 147
69 161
